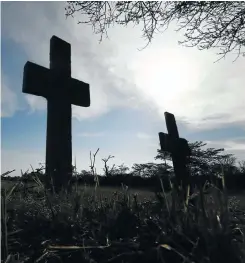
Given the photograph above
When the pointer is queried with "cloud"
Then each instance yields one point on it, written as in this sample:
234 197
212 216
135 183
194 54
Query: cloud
234 146
162 77
92 62
187 83
9 102
90 134
36 103
229 145
144 136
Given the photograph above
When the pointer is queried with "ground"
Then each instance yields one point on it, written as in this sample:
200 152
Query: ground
118 225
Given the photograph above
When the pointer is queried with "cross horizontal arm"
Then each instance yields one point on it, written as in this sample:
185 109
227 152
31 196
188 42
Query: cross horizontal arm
40 81
79 94
174 145
36 80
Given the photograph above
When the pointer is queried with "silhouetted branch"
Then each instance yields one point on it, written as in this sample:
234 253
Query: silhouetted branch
207 24
93 169
106 169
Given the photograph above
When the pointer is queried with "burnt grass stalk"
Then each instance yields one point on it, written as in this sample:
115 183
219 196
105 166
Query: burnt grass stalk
86 226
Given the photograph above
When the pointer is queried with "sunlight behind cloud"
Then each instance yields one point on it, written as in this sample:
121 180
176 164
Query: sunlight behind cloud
162 77
165 75
189 84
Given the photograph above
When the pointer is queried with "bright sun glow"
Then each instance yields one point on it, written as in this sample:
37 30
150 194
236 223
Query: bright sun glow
166 77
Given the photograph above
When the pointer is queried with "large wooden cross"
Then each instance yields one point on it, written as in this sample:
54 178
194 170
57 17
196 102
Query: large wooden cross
179 149
60 90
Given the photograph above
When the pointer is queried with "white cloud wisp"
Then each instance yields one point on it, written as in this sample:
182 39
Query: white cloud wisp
163 77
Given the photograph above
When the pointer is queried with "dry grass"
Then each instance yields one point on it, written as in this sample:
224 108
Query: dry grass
119 225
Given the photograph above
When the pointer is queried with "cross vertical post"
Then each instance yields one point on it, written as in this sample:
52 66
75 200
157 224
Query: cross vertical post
60 90
58 140
179 149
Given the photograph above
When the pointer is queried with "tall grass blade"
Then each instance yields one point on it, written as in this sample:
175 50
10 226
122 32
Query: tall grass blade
4 226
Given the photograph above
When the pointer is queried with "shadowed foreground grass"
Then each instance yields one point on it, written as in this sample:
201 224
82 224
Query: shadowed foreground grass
116 225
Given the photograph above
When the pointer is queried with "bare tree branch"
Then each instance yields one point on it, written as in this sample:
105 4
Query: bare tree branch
93 169
106 169
207 24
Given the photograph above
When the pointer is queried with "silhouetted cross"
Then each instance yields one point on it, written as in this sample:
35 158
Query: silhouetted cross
60 90
179 149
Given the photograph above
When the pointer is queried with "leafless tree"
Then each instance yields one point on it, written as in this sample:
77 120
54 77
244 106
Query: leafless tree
242 166
106 169
93 169
207 24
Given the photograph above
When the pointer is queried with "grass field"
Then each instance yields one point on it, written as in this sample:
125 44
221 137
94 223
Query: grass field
119 225
143 194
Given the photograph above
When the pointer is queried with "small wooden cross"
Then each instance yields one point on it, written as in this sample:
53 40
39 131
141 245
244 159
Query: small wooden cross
60 90
179 149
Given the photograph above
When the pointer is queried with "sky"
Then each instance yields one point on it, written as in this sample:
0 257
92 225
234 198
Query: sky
130 90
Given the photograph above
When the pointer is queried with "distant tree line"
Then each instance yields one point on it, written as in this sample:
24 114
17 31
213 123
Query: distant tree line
205 165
